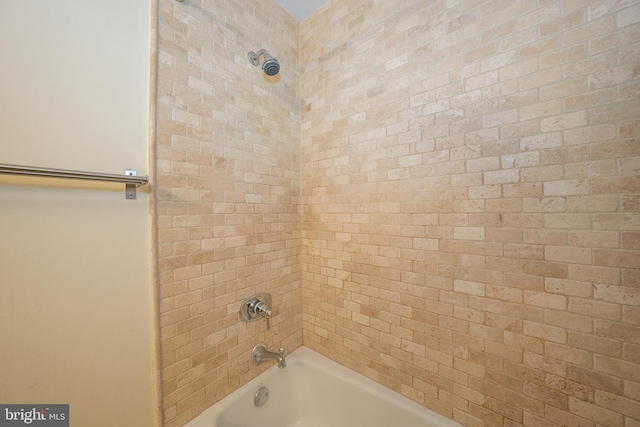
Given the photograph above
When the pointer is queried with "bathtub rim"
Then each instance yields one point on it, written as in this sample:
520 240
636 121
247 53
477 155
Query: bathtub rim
305 355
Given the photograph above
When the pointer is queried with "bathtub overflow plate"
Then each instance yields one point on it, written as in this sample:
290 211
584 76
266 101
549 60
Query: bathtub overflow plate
261 397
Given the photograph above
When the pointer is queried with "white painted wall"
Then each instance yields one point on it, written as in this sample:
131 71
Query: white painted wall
76 287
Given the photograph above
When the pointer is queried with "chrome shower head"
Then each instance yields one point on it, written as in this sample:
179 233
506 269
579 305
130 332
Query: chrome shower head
270 66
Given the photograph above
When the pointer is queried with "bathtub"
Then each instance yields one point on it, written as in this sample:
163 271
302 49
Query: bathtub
314 391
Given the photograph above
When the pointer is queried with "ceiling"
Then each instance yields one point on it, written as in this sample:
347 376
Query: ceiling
300 9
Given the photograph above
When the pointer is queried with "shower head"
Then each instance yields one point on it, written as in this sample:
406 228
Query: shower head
270 66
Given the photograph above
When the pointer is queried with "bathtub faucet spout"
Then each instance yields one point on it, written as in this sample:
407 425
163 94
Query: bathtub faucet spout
260 354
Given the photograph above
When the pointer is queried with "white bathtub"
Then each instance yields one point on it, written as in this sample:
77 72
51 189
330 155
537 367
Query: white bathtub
314 391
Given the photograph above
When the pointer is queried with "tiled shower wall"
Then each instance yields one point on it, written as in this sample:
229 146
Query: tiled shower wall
228 190
471 204
469 200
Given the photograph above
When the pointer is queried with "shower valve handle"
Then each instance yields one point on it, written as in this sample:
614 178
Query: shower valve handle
262 310
255 308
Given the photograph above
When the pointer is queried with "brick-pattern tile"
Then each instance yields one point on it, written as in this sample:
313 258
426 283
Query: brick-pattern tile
228 194
440 195
470 204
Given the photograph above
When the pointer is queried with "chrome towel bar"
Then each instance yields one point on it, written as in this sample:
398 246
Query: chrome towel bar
130 177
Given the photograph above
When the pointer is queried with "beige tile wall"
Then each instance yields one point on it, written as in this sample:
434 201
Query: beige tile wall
469 201
228 195
471 197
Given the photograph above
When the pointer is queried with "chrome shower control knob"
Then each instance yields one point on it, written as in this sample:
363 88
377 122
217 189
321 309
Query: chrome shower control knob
262 310
255 308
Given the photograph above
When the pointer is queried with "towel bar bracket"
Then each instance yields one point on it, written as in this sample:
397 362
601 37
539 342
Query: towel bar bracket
129 188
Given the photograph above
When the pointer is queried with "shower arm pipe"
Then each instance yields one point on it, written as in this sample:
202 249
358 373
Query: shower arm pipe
255 59
130 177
